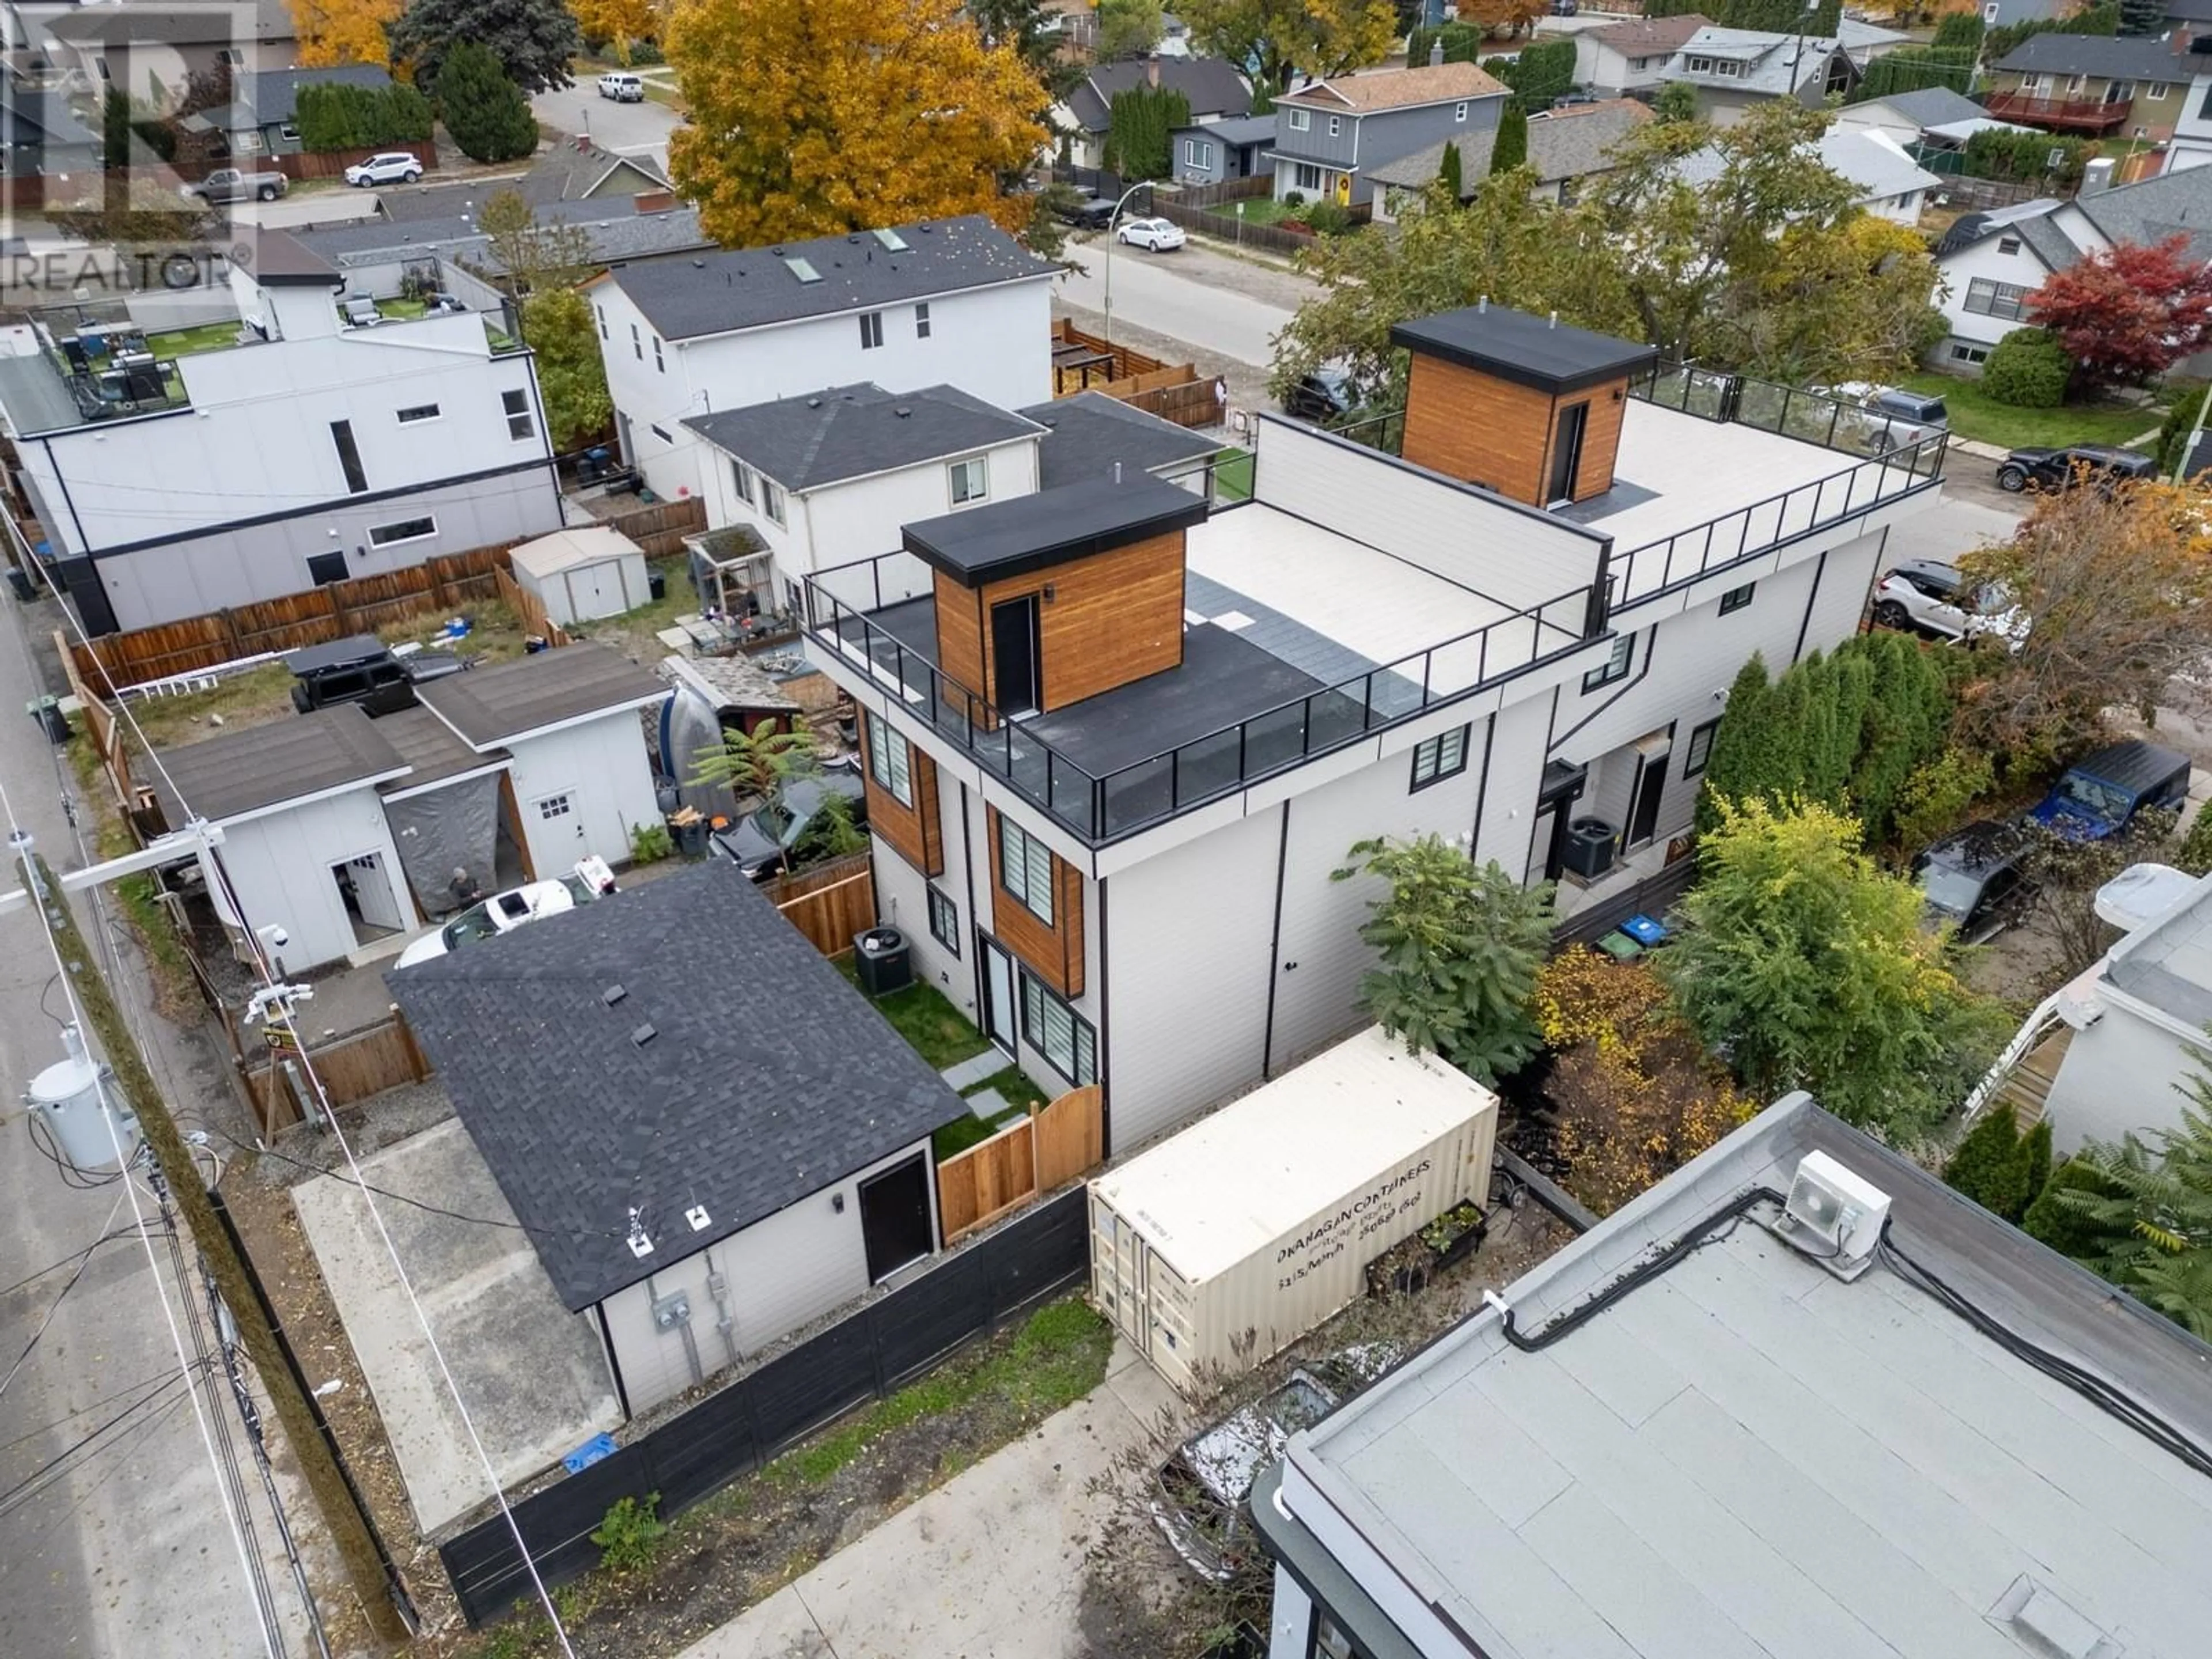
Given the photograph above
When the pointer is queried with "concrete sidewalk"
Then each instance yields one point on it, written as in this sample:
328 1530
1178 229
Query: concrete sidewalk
988 1566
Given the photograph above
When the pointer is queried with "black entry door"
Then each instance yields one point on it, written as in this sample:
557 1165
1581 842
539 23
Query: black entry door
895 1218
1567 451
1014 655
1650 785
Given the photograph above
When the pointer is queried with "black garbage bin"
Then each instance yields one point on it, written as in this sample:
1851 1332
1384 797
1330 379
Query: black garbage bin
691 837
18 579
47 711
657 585
1589 847
883 961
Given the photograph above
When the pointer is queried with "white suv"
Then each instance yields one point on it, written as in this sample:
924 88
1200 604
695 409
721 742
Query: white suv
1926 593
623 86
393 166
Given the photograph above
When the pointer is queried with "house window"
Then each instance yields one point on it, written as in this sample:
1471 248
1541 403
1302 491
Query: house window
323 567
772 499
971 480
288 133
1701 748
1306 176
664 434
1986 298
1055 1030
1025 869
921 321
944 922
1616 664
349 457
871 330
741 480
1962 353
519 423
1459 111
2121 92
1190 154
601 311
2008 244
636 345
554 806
1301 119
1442 757
890 763
405 530
2158 92
1335 125
1737 598
414 412
660 364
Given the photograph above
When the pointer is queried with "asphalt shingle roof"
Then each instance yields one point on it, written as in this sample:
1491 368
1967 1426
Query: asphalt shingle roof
1647 36
248 771
273 95
1086 434
490 706
1238 129
1777 63
1932 106
851 431
2172 205
1370 90
1567 143
1212 84
766 1078
2127 57
751 288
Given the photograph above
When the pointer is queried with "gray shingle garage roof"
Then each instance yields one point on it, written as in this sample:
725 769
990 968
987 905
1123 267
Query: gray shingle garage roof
848 432
491 706
766 1078
252 770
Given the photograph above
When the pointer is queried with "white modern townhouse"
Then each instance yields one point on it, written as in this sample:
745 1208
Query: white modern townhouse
945 301
1119 734
188 452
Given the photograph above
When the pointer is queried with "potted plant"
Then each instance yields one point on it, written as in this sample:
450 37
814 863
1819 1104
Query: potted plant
1408 1266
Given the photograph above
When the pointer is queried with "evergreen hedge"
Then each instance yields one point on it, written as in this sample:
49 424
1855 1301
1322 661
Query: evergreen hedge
1138 126
486 113
332 116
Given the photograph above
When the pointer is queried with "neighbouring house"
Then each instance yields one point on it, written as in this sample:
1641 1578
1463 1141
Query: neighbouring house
1632 56
1910 117
263 118
1094 713
1216 91
1566 147
1092 435
953 302
1684 1434
43 138
577 170
712 1140
2192 127
1889 184
148 48
1991 263
379 256
189 451
582 575
1238 146
347 830
2095 86
2112 1051
1732 69
1331 134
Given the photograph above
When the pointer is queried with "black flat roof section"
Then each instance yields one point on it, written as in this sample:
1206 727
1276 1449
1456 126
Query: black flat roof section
1031 533
490 706
671 1045
1527 349
264 766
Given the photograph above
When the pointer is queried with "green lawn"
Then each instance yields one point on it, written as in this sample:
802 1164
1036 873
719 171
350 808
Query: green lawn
1232 475
937 1029
1258 210
1975 414
204 336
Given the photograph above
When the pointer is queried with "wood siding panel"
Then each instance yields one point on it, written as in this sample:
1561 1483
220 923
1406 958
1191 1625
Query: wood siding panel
913 832
1054 954
960 634
1474 426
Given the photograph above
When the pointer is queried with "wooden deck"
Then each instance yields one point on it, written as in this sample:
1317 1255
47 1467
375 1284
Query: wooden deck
2027 1090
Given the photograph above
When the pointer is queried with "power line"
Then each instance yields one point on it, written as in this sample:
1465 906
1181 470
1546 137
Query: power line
54 1306
21 1489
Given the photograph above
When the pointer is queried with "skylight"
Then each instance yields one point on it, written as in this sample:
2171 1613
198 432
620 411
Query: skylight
803 270
891 239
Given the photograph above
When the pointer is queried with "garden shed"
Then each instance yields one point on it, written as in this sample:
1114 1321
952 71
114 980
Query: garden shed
584 573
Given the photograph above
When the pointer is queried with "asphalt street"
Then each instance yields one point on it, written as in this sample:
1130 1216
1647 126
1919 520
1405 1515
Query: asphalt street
640 129
120 1549
1206 299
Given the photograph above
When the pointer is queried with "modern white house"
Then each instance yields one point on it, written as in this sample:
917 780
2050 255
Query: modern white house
1688 1433
346 831
1909 116
239 444
943 301
1733 69
1097 713
712 1138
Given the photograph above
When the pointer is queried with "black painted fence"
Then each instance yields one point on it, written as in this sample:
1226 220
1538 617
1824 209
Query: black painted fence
872 1354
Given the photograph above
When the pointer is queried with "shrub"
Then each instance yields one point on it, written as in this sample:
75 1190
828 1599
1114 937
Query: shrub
1294 199
2028 369
2054 1221
2187 398
1990 1164
631 1533
1328 219
1934 799
334 117
2195 852
649 843
486 114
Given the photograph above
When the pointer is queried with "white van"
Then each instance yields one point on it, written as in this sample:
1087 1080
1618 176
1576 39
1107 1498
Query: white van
623 86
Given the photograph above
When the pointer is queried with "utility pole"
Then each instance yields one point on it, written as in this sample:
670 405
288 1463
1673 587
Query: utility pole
318 1462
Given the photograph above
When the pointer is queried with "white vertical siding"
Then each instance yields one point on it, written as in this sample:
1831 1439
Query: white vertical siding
902 901
783 1272
1840 598
1188 949
1517 773
280 865
603 767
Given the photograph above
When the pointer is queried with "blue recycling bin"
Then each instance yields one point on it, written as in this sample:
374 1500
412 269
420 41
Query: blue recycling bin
1646 931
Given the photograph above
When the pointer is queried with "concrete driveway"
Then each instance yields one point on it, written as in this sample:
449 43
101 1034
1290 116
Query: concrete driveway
625 129
988 1566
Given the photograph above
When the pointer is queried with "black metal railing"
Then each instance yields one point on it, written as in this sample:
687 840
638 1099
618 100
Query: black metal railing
1827 418
1105 807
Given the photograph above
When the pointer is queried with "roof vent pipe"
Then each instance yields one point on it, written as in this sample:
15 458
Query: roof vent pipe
1437 52
1117 472
1482 306
1554 323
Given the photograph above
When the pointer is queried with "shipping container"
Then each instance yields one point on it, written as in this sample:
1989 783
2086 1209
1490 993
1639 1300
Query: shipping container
1223 1245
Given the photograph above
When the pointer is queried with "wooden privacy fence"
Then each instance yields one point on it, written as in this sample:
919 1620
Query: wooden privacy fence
1229 190
1122 362
829 904
658 527
528 606
101 725
352 1067
332 163
1048 1148
332 611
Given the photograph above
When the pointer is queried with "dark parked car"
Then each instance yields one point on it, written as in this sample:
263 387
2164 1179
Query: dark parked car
2062 469
761 842
366 671
2099 796
1091 213
1973 879
1325 395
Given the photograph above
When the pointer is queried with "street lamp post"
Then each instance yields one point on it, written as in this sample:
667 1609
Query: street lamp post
1111 219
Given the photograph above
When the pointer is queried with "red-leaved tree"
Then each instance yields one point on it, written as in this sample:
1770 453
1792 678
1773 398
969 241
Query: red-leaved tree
2127 314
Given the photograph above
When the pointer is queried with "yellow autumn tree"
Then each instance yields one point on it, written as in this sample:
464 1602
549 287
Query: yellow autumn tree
343 31
618 22
813 118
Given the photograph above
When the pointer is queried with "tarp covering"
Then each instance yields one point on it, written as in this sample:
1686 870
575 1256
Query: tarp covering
455 826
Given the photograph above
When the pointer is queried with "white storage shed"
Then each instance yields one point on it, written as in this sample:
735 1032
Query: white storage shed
1223 1245
582 574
